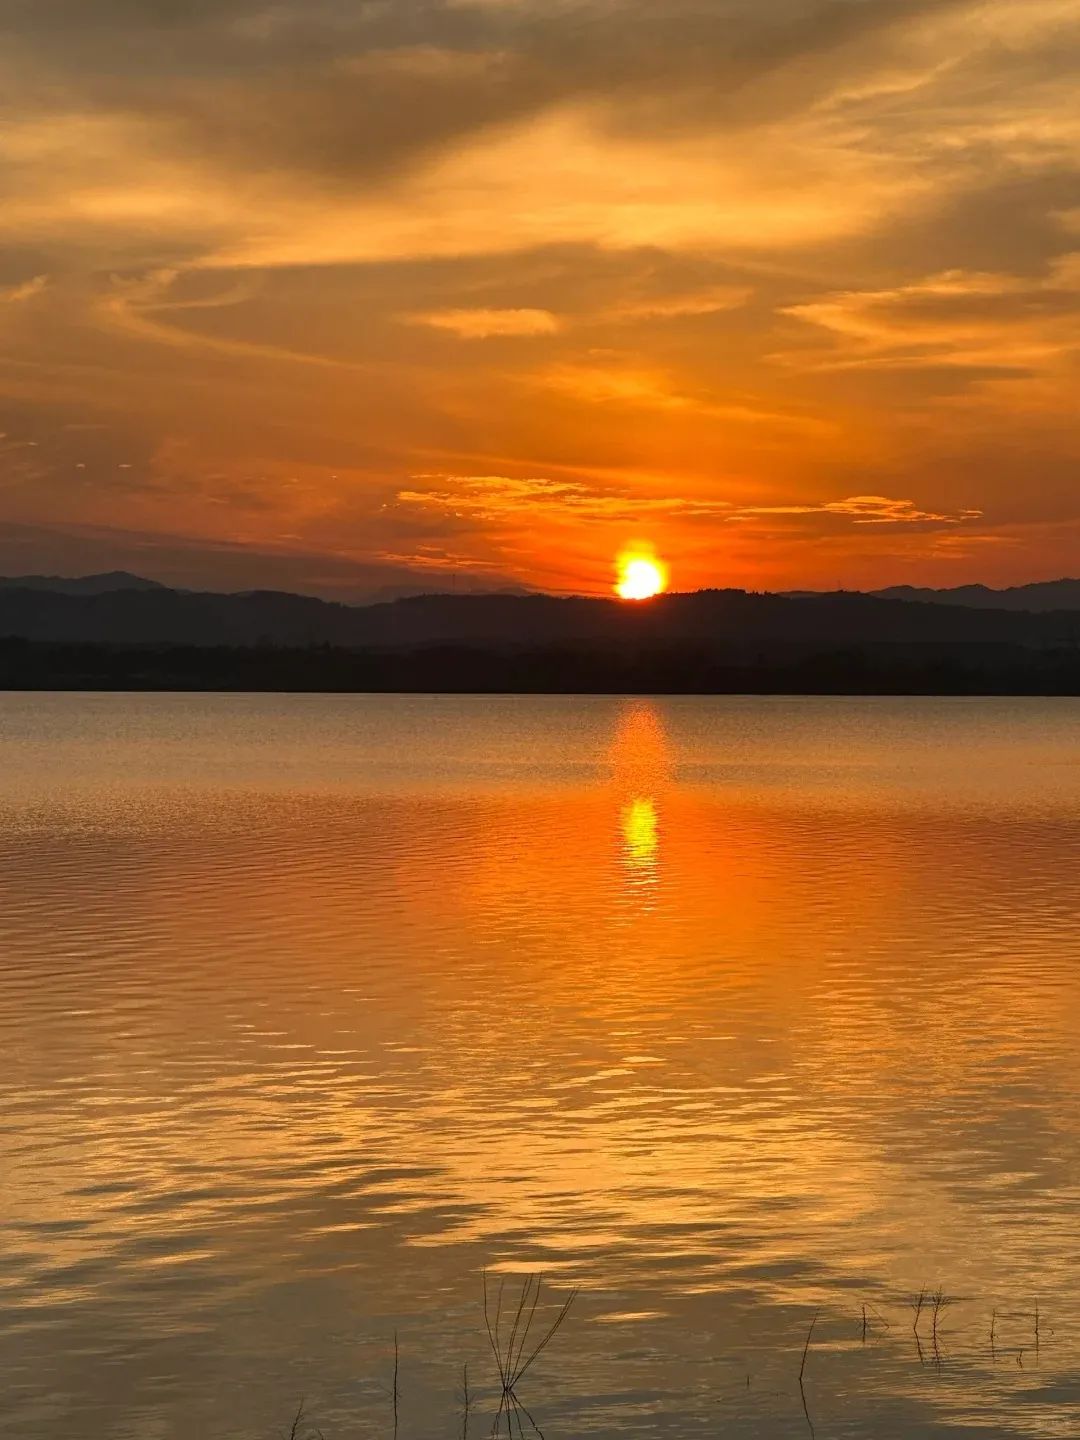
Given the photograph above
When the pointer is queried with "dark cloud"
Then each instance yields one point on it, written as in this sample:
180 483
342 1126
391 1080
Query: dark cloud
348 89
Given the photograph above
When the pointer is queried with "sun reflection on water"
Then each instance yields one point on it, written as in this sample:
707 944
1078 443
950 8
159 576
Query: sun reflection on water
641 836
640 771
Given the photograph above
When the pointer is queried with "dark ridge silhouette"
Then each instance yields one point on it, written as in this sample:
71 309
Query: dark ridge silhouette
712 641
1039 596
81 584
1042 595
1045 595
161 616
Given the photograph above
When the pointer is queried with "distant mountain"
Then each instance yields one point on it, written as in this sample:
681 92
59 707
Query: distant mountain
410 592
1043 595
1040 596
124 580
732 619
81 585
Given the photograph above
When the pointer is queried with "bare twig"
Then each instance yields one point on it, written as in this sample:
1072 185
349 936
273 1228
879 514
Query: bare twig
466 1400
396 1392
806 1412
939 1303
871 1318
802 1372
520 1410
806 1347
298 1420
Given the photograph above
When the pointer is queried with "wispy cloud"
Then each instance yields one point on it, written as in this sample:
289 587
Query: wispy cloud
951 320
484 324
492 498
709 300
24 290
132 306
866 510
618 382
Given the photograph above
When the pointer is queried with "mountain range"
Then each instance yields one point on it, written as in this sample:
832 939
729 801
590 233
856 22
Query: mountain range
123 609
80 584
1042 595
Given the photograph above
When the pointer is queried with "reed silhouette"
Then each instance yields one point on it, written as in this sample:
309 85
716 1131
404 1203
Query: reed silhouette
514 1355
519 1332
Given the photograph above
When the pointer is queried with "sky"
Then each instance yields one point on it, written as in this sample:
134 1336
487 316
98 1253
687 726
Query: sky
346 295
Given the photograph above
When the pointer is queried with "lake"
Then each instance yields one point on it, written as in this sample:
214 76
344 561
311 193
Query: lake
728 1012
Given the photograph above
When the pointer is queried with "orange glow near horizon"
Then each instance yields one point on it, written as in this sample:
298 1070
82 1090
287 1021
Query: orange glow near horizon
640 576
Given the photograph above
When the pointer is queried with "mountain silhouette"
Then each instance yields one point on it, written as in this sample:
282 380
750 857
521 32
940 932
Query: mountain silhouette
711 641
157 615
1042 595
81 585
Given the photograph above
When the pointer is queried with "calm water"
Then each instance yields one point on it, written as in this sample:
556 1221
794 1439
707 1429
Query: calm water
726 1011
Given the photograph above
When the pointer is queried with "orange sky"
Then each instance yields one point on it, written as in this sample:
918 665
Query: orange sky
337 295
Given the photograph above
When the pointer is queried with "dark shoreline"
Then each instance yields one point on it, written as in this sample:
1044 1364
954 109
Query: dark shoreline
885 669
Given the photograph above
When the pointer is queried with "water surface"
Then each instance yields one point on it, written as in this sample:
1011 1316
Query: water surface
727 1011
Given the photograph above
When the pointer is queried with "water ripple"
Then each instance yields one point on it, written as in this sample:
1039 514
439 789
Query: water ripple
724 1010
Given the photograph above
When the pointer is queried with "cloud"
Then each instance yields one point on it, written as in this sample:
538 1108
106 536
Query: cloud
562 178
484 324
710 300
983 322
330 133
763 255
622 383
25 290
865 510
499 498
495 498
131 306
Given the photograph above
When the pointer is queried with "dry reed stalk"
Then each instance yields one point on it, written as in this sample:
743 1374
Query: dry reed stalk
466 1400
514 1355
396 1392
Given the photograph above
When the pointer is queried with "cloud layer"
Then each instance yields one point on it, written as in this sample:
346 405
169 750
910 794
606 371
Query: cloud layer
711 268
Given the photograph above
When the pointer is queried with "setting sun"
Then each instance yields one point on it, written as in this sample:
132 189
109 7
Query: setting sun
640 576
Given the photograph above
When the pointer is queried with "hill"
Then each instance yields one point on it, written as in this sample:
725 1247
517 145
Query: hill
718 617
1043 595
80 585
708 641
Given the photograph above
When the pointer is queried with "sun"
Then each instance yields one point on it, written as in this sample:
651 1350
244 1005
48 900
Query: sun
641 576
